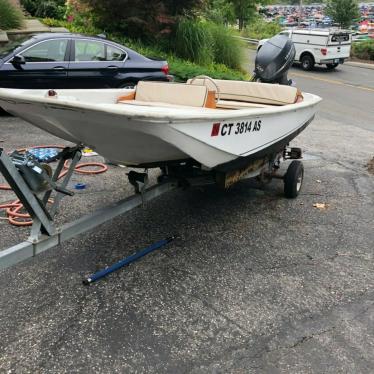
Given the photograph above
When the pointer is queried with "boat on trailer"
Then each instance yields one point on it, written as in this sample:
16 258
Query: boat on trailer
202 131
227 128
215 124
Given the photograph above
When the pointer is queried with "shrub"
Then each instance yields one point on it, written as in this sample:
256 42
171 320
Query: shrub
227 49
204 42
363 50
183 70
42 8
10 16
50 9
260 29
194 41
72 27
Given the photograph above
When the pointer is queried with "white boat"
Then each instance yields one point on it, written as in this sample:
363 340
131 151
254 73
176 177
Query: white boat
221 125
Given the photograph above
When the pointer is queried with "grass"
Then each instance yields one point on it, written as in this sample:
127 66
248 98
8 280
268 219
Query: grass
204 42
227 49
194 41
363 50
11 17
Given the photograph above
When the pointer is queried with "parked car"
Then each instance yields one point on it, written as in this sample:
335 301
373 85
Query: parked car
330 47
64 60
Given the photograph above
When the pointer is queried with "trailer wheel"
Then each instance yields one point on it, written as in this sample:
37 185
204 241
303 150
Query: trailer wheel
307 62
293 179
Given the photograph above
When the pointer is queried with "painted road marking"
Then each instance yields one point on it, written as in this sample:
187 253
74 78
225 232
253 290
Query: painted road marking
332 81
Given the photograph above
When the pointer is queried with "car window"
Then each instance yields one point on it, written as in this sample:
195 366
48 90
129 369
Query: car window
48 51
13 45
87 50
114 54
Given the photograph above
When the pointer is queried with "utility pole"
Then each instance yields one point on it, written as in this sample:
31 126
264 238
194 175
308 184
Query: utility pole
300 12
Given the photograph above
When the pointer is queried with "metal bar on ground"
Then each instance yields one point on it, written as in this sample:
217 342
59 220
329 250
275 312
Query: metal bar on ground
126 261
27 249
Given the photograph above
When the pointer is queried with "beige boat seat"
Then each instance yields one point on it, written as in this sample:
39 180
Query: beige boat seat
250 92
232 104
170 95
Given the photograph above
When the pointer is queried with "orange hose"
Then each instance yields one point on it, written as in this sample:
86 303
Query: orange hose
23 219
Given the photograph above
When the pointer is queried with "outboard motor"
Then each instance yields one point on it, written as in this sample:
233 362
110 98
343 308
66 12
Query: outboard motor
273 60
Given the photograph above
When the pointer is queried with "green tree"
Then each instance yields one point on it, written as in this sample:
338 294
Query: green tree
244 11
342 11
220 11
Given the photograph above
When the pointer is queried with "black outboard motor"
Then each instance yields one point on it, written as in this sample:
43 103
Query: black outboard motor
273 60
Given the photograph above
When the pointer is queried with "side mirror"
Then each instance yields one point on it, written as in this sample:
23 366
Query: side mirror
18 60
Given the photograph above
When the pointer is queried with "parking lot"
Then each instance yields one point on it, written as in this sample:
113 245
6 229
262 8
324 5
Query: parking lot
254 283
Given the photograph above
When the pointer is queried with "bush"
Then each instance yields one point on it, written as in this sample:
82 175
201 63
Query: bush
204 42
227 49
194 41
10 16
43 9
260 29
183 70
50 9
363 50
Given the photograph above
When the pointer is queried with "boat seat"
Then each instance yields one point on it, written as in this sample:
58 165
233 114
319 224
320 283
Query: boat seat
231 104
252 92
158 104
178 94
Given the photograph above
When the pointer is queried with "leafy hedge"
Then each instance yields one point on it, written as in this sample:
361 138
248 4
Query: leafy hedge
363 50
182 69
10 16
45 8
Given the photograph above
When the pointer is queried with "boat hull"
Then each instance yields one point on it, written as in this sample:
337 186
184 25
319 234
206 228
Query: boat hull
217 139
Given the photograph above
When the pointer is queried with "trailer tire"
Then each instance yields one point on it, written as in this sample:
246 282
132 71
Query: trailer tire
293 179
307 62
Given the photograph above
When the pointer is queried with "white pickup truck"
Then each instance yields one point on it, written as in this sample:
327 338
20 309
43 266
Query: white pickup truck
319 46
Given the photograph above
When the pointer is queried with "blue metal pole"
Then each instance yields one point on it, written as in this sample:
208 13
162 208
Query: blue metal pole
102 273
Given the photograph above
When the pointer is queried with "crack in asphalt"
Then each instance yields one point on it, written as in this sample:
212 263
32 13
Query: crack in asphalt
303 339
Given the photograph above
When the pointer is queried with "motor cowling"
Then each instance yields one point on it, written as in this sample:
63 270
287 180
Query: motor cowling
274 59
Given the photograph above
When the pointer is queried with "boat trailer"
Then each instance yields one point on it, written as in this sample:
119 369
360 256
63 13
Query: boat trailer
34 183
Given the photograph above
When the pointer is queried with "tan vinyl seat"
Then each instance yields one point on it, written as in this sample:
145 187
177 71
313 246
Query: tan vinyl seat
169 94
231 104
252 92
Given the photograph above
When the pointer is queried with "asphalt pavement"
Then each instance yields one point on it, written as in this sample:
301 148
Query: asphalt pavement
255 283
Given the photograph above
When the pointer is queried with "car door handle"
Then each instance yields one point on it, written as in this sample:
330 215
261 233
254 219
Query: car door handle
112 67
59 68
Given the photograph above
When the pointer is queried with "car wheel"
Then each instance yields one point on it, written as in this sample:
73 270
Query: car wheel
331 66
307 62
127 85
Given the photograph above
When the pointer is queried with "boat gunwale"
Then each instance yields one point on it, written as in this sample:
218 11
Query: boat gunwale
178 115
